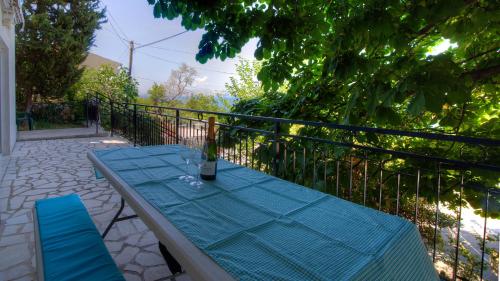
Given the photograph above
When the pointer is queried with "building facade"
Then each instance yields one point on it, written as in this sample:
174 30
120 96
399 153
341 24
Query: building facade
10 15
94 61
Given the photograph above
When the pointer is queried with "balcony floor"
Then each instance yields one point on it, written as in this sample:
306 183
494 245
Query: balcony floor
50 168
68 133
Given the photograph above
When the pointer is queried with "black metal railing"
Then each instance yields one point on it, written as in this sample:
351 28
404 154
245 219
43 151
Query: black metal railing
431 180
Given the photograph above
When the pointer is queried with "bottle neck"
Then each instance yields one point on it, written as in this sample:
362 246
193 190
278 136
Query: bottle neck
211 133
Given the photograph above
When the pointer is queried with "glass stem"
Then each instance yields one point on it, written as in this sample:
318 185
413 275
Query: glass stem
187 168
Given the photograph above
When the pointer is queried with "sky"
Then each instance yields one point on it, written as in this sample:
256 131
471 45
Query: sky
133 20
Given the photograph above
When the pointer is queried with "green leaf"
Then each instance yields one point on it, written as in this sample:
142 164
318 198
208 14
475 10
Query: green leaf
434 101
350 105
449 120
157 12
259 53
417 104
170 13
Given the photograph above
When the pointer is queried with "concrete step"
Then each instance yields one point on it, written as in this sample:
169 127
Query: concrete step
61 134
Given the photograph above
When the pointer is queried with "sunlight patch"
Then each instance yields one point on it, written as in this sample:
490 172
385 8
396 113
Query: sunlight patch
113 141
441 47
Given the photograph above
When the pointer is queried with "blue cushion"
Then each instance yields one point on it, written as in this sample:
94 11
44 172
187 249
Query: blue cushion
72 248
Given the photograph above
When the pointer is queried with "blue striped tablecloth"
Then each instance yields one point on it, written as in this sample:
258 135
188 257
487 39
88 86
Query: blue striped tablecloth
259 227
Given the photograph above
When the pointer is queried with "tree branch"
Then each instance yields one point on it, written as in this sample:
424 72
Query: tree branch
483 73
457 129
480 54
425 31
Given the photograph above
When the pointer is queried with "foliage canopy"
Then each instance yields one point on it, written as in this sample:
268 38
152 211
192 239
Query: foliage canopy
245 86
361 62
114 84
53 43
157 93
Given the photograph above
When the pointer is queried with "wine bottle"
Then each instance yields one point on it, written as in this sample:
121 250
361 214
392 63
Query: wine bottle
208 169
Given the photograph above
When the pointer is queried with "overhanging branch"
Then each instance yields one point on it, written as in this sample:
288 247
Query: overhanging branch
483 73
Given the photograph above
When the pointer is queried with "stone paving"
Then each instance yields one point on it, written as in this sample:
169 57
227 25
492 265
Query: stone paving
50 168
68 133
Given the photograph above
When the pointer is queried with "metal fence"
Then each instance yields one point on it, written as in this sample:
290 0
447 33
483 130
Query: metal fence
53 114
430 179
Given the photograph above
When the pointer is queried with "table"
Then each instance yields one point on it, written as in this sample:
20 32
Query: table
247 225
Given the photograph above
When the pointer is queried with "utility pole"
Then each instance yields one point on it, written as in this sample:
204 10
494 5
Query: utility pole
132 48
130 57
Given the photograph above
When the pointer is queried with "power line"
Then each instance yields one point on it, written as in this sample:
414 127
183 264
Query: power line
172 50
190 53
161 40
180 63
118 36
121 55
116 31
117 25
132 48
148 79
198 85
208 85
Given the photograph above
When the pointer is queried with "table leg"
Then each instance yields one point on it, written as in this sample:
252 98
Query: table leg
117 218
172 263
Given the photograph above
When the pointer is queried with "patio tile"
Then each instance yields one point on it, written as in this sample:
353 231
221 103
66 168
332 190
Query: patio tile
114 247
11 229
24 278
133 239
148 239
126 255
16 202
17 220
149 259
13 255
134 268
12 240
132 277
156 272
126 228
51 168
17 272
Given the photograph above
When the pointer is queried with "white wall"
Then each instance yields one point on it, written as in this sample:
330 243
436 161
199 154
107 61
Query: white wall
8 129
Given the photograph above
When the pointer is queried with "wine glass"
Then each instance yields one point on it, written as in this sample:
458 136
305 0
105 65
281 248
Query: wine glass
197 161
185 154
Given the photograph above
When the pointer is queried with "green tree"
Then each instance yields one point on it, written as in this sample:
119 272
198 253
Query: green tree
359 62
245 85
52 44
204 102
157 93
115 84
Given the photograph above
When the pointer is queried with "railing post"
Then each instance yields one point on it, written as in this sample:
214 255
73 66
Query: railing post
87 108
276 158
112 117
485 233
30 120
97 113
459 225
126 111
135 124
177 124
